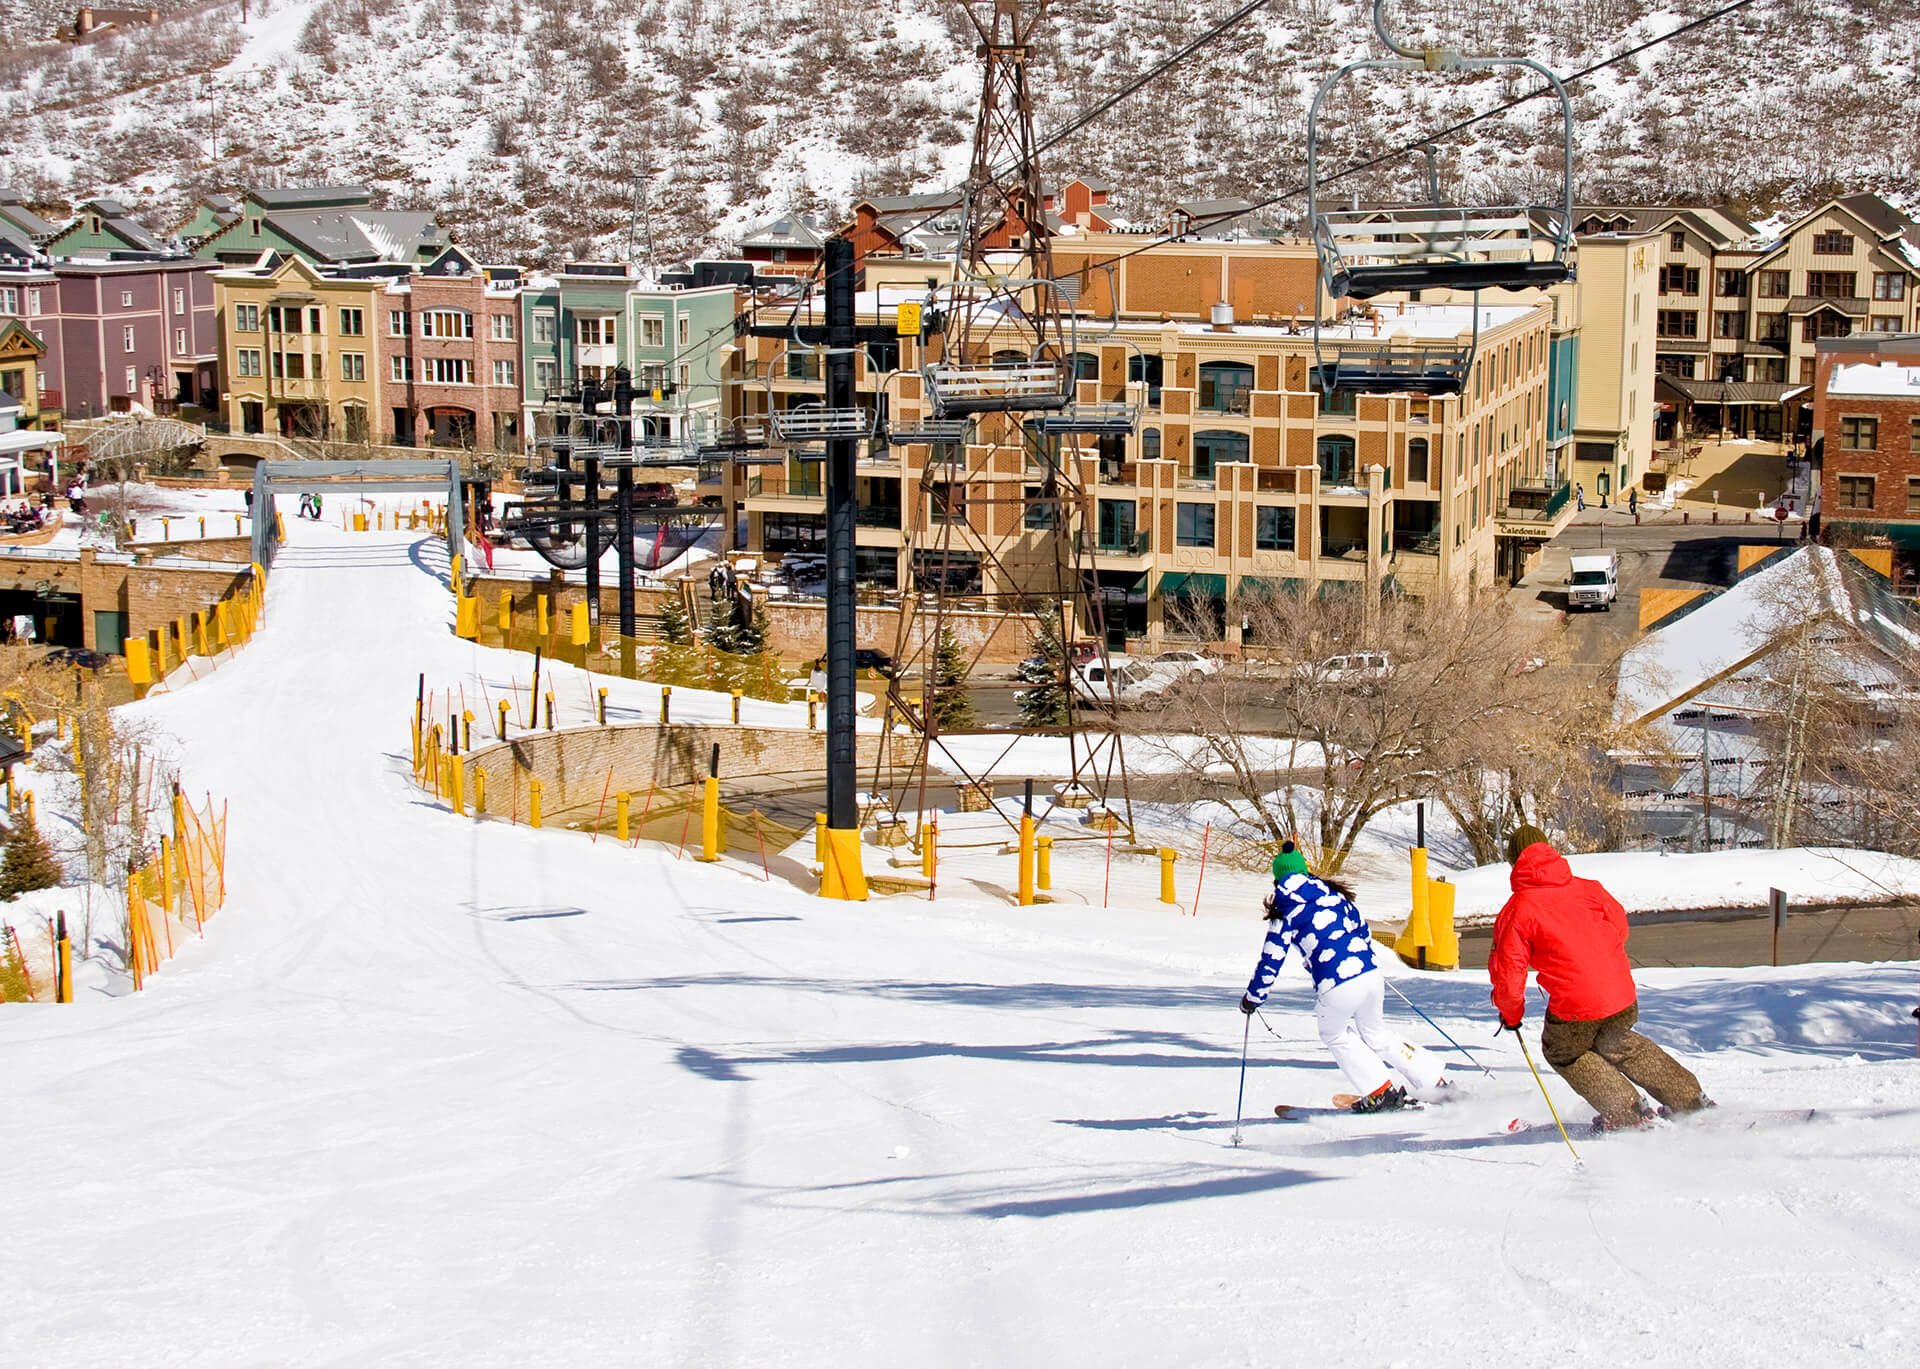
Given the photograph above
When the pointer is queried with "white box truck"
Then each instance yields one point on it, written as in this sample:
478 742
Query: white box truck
1593 580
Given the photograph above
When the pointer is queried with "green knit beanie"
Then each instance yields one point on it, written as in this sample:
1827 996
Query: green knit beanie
1288 862
1520 838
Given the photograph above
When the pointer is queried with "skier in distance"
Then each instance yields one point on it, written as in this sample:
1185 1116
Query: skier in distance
1573 934
1317 917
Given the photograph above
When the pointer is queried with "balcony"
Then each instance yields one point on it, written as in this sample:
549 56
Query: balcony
877 516
781 485
1535 511
1119 545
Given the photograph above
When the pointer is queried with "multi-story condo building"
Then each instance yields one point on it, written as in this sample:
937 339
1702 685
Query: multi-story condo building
332 224
449 355
1240 477
382 354
138 328
588 319
1870 439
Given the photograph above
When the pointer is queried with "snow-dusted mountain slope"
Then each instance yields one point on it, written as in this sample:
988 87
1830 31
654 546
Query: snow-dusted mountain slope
540 127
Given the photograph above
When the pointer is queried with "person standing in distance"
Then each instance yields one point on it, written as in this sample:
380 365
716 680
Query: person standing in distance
1573 934
1317 917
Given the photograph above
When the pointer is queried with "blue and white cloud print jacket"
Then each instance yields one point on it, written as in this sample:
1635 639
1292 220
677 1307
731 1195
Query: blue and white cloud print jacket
1328 931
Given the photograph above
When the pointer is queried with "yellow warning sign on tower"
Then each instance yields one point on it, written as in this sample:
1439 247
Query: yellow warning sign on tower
907 323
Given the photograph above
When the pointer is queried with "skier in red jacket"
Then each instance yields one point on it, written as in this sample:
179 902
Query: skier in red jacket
1573 934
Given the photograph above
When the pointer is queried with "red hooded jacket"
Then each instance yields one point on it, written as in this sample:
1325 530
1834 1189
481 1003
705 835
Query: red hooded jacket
1572 932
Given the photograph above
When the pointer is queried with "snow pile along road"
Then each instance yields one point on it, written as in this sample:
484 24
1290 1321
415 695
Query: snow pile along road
435 1093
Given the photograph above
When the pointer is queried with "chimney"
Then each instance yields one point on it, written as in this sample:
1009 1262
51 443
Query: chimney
1223 317
83 22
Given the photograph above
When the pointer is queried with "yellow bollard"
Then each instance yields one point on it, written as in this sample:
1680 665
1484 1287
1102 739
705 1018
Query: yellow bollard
166 529
28 799
1026 859
540 601
236 524
581 634
26 737
139 667
466 618
710 820
479 791
623 817
533 803
456 785
819 838
503 720
813 713
466 729
1167 857
506 613
180 626
736 707
380 521
666 702
200 631
603 705
63 990
203 529
1414 939
549 710
1046 863
359 522
929 850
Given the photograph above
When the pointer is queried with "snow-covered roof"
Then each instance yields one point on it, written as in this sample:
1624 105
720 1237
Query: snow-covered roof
1719 635
1885 380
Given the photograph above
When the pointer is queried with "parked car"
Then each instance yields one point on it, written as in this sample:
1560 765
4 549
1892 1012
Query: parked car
77 656
1188 665
1354 668
654 494
1123 683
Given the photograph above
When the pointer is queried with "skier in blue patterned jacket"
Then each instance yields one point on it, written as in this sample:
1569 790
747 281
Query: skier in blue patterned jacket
1316 917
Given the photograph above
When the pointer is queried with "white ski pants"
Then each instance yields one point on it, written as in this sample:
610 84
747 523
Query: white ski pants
1353 1026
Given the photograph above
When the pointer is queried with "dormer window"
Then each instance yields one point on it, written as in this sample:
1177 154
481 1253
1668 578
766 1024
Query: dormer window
94 222
253 227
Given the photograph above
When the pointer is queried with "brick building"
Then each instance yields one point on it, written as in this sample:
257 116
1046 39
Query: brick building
450 355
1870 439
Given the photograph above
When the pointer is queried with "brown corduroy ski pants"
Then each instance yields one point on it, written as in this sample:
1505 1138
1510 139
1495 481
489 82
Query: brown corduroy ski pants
1604 1059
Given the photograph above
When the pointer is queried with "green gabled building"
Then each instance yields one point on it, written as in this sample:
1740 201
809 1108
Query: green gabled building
323 224
103 226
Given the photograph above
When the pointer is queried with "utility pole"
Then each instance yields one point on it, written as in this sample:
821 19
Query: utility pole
843 815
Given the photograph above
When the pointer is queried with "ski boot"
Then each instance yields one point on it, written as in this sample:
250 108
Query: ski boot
1386 1098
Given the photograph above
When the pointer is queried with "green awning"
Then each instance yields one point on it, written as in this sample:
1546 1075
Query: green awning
1905 536
1259 587
1194 585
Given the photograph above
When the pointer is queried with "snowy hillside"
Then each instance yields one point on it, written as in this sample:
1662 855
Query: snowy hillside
439 1093
541 129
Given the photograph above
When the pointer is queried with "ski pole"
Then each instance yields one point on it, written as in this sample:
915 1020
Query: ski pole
1246 1032
1442 1030
1544 1094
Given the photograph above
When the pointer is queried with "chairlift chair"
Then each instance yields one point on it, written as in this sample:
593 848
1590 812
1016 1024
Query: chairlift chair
1366 253
811 423
1038 384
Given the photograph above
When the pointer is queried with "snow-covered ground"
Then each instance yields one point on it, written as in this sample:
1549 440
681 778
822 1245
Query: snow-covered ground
439 1093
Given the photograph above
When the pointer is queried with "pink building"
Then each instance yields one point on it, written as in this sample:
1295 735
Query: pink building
450 355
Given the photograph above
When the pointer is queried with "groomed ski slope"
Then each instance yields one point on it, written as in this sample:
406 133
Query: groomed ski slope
439 1094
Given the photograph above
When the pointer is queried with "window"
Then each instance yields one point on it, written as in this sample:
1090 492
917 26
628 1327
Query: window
1340 403
1116 527
1678 323
1856 492
126 299
1773 327
685 333
1417 461
1913 434
246 318
133 380
1831 284
9 300
653 331
33 300
686 376
1806 370
501 327
446 323
179 301
1147 371
126 339
1225 386
1679 280
1732 284
353 366
593 331
1149 444
399 323
1884 323
1676 241
400 368
1771 370
949 502
1833 243
1211 449
1272 527
180 341
246 361
446 371
353 323
1776 284
503 373
1889 285
545 327
1668 365
1826 323
1336 460
1193 525
1039 509
289 365
546 374
1913 494
1859 434
1730 323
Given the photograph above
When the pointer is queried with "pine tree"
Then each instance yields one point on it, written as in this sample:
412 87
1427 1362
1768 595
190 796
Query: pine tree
29 862
1044 702
675 630
949 703
752 634
13 969
723 634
